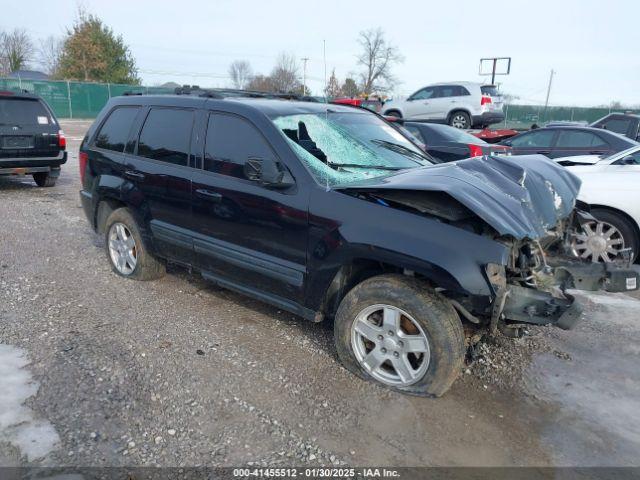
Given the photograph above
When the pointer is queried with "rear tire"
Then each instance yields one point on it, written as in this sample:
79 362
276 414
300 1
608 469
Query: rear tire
125 249
44 179
460 120
422 313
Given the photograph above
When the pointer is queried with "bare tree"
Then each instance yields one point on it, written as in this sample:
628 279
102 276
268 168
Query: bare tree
261 83
49 54
285 74
378 58
240 72
16 50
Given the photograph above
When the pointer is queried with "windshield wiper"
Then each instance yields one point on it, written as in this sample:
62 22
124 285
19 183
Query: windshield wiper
360 165
402 150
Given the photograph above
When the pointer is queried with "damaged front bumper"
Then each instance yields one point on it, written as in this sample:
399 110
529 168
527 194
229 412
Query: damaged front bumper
555 306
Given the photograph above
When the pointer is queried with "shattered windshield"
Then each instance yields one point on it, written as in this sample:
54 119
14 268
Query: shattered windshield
343 148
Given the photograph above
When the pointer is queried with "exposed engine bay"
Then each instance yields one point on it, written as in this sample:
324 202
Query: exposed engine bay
532 287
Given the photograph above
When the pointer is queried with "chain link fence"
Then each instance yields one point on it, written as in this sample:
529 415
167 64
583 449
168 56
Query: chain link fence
76 99
523 116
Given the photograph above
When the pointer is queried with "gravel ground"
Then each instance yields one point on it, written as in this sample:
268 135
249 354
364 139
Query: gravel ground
179 373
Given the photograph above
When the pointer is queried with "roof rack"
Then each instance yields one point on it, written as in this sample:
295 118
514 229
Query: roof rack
232 92
196 90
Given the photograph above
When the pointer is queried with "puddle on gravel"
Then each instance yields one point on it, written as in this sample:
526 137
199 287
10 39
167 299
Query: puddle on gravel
18 424
596 388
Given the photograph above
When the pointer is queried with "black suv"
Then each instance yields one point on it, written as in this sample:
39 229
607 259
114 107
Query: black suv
328 211
31 141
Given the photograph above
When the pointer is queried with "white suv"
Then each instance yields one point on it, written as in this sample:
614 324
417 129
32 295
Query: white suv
460 104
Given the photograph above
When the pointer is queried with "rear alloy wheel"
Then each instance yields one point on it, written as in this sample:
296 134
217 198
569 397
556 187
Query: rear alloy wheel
126 251
602 240
460 120
122 249
399 332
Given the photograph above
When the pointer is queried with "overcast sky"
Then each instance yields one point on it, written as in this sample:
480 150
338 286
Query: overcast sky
594 46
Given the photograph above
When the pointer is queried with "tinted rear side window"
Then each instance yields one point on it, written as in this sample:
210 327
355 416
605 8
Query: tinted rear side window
166 135
230 142
452 91
115 131
576 138
22 111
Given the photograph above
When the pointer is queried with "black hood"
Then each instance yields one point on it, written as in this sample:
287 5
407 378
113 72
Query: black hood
522 196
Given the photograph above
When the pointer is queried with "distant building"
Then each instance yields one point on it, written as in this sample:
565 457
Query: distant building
29 75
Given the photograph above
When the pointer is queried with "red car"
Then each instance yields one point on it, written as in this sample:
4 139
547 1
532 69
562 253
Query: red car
373 105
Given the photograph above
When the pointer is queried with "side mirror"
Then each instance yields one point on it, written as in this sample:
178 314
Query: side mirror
628 160
267 172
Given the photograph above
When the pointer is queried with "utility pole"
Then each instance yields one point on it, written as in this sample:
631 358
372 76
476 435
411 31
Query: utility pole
546 102
304 75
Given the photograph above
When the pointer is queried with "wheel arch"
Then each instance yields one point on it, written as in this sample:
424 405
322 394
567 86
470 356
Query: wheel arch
359 269
394 109
105 207
460 109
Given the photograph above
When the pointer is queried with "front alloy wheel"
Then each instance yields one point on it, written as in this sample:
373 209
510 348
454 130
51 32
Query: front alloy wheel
390 345
399 332
122 249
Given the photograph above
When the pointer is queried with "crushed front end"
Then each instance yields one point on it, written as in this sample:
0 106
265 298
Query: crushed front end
532 287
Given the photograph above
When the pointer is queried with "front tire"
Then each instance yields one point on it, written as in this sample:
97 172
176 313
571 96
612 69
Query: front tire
125 249
397 331
460 120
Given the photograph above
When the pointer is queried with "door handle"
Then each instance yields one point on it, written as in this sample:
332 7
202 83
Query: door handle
544 152
596 152
216 197
134 174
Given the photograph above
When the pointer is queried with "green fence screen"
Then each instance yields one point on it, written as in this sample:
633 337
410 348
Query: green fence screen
76 99
85 100
523 116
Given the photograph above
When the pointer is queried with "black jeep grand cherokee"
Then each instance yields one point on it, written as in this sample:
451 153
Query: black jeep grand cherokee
330 212
31 141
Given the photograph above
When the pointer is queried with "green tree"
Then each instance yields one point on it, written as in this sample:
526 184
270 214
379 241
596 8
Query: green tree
350 87
93 52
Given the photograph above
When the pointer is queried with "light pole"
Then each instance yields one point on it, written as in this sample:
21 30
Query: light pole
304 75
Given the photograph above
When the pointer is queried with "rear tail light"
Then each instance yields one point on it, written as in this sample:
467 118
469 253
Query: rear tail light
485 100
475 150
83 158
62 140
